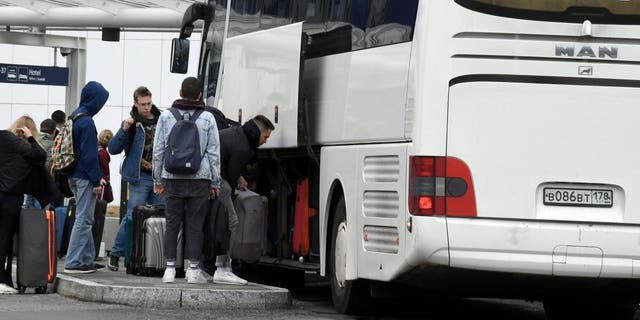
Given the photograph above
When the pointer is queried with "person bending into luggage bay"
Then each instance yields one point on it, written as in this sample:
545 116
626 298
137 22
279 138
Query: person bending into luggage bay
237 148
135 138
187 193
19 151
85 180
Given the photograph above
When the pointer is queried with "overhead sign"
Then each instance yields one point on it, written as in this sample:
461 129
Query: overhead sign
23 74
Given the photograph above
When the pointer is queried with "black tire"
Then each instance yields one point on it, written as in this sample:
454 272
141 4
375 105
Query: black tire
589 308
41 290
349 296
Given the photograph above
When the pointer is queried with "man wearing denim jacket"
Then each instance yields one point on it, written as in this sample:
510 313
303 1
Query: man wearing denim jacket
187 194
135 138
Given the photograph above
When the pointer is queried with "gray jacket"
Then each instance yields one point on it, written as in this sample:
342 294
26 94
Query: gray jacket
46 142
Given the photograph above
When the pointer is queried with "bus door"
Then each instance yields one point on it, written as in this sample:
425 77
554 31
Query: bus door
262 76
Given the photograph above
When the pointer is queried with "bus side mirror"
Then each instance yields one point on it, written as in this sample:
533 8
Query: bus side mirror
179 55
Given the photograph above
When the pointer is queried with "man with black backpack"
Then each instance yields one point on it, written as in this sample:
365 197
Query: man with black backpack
186 164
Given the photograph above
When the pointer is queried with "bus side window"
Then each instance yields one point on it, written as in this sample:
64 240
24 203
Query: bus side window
349 12
244 17
390 22
275 13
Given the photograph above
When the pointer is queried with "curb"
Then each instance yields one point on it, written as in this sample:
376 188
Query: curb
265 297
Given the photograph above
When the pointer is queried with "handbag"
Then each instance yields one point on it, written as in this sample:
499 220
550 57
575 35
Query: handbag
107 193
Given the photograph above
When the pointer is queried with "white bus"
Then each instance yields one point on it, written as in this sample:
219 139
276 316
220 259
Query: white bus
470 147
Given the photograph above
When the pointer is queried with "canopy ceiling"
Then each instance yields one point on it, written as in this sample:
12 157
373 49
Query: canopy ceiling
94 13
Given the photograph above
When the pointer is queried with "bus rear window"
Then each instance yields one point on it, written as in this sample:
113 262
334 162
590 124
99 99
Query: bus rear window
597 11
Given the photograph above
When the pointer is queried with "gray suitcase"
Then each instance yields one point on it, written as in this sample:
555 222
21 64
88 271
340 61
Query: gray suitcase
248 240
153 234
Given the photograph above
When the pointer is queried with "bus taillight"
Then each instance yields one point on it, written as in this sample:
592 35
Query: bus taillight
440 186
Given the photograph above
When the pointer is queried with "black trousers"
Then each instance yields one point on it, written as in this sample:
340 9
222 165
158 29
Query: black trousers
10 206
186 203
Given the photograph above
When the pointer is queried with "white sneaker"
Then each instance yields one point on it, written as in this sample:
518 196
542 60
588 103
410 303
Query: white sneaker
5 289
196 276
223 276
169 275
206 275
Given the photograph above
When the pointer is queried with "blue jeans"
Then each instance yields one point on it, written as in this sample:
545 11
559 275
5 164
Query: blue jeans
81 250
31 202
139 194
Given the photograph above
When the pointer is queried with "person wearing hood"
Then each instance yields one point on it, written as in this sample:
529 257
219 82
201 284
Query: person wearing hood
237 149
85 179
135 138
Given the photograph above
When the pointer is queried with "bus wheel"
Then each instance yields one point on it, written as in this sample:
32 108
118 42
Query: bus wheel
349 296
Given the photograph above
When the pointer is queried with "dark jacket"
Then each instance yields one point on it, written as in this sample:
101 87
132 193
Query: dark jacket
85 136
132 142
221 120
237 149
16 159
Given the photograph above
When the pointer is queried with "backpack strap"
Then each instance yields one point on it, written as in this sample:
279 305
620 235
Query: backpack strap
196 114
79 115
176 114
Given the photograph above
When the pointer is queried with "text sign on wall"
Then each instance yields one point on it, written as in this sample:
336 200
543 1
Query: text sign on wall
23 74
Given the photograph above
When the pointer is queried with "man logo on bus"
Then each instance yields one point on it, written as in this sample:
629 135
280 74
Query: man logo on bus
586 51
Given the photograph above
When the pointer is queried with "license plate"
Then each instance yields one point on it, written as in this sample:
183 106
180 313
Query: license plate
578 197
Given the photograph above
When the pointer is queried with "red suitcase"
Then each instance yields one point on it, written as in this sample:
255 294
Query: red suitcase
302 215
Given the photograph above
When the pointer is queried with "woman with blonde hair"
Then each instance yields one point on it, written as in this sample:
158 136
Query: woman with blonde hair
18 125
19 154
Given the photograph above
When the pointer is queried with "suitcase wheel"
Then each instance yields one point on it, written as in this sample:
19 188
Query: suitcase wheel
41 290
22 289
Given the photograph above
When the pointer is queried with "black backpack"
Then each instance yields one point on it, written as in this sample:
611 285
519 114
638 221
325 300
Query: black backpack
182 153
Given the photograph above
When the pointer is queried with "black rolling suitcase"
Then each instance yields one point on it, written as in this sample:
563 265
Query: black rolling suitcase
97 228
68 226
147 247
36 249
98 224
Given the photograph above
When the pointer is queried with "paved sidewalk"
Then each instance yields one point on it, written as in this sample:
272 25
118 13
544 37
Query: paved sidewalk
121 288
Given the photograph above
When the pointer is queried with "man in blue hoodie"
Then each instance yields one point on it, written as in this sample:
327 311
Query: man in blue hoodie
85 179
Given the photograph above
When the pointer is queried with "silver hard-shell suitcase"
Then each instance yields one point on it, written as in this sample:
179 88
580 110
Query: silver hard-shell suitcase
154 261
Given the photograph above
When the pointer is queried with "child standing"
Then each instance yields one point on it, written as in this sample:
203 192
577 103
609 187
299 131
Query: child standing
103 140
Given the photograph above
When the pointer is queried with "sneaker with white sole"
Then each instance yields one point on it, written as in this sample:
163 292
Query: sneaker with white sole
206 275
196 276
169 275
80 269
5 289
227 277
113 263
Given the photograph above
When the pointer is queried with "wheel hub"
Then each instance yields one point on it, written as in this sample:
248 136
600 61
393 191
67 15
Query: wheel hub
340 258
